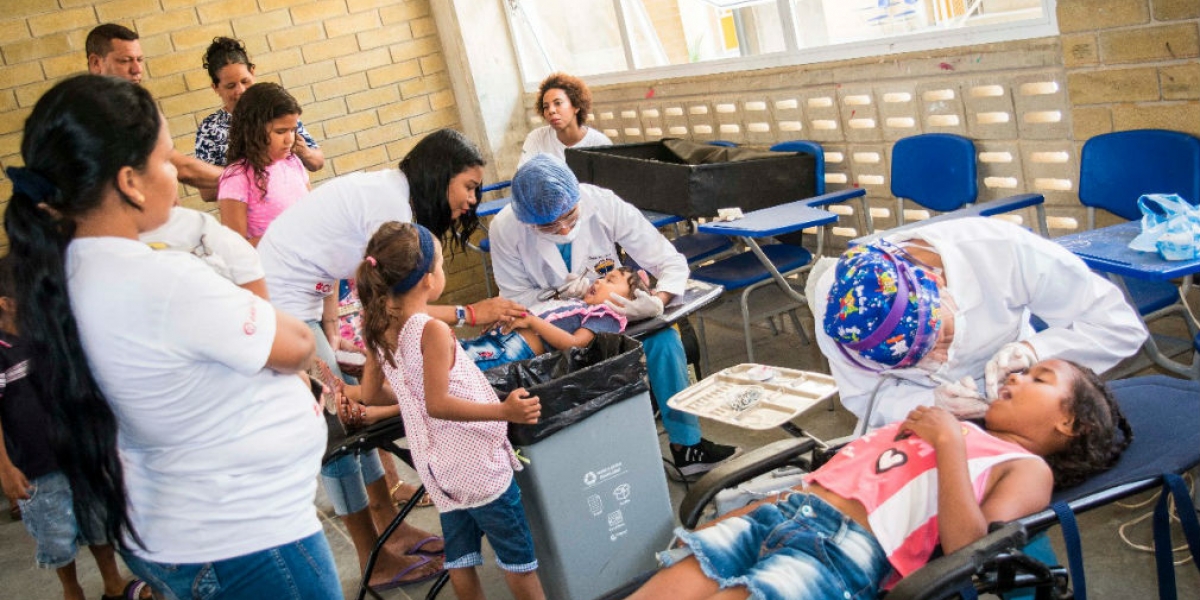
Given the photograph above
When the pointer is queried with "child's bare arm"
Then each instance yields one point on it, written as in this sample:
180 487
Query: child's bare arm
371 389
233 215
437 349
554 336
1019 487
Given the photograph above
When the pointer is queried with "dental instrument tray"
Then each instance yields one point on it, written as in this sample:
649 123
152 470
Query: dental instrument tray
755 396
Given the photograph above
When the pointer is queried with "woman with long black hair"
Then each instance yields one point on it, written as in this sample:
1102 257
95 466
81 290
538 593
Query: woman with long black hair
177 415
321 240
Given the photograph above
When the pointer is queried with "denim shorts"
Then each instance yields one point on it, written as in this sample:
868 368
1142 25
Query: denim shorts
346 478
798 548
493 349
299 570
503 522
49 516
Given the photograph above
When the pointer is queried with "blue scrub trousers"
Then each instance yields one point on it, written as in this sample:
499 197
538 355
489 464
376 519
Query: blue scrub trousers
666 364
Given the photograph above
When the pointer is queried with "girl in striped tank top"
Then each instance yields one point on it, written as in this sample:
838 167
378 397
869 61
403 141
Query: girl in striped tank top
876 510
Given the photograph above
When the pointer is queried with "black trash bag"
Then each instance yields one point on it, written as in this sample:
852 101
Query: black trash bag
572 385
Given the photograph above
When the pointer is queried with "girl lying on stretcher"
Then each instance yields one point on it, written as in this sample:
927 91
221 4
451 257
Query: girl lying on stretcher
562 324
876 511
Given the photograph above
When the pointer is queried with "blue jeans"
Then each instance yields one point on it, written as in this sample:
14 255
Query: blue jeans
493 349
666 365
799 548
49 516
299 570
503 522
346 478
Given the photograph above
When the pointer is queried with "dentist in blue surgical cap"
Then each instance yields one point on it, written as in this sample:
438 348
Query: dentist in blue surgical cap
559 235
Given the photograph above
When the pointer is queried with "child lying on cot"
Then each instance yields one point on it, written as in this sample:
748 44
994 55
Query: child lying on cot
876 511
569 323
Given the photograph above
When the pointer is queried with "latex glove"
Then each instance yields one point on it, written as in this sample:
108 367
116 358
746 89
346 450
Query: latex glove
574 286
1012 357
643 305
961 398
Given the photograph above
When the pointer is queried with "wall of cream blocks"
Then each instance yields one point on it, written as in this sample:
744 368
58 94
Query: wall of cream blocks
1010 98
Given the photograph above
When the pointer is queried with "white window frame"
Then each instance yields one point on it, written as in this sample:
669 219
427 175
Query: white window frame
1046 26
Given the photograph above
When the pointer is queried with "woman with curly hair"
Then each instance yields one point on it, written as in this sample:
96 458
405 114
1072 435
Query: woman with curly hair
563 101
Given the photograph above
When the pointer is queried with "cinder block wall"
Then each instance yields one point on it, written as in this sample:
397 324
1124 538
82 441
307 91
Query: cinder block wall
369 74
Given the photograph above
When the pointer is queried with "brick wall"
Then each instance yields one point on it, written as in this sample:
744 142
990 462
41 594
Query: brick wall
369 73
1131 64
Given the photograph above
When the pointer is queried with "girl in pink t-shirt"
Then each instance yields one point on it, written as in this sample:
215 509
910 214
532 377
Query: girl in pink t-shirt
264 177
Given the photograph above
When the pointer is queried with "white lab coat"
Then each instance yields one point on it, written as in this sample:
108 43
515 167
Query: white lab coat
526 264
998 273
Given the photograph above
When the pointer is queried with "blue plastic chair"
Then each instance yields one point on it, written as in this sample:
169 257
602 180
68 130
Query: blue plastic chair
1117 168
937 172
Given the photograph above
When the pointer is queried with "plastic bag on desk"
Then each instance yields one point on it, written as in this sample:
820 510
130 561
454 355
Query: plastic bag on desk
572 385
1170 226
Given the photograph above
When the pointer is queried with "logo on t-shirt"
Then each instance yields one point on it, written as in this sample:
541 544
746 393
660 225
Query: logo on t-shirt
250 326
323 288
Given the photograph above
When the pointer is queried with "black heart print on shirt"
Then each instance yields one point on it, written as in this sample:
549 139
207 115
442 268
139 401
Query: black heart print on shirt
890 459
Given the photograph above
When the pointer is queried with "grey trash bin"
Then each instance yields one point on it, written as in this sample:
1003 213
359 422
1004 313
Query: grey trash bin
594 490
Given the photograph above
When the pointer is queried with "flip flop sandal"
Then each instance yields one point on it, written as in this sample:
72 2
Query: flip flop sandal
399 580
417 547
133 591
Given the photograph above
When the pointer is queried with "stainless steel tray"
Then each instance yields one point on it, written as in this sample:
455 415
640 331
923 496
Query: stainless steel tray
755 396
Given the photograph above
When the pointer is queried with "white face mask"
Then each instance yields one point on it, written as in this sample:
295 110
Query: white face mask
566 238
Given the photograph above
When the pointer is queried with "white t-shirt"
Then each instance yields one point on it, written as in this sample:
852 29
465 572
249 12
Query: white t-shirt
198 233
322 238
220 455
544 140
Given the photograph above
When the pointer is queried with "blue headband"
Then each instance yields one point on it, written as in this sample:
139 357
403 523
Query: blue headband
423 263
30 183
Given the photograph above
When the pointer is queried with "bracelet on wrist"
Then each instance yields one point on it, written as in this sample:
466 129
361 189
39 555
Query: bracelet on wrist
460 314
471 315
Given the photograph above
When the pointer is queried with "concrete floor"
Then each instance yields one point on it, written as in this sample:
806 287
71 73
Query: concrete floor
1114 570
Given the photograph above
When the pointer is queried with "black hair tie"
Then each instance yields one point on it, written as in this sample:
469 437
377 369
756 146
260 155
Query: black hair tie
30 183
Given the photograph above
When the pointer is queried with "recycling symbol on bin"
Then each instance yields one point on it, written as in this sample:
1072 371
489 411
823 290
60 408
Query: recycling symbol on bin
622 492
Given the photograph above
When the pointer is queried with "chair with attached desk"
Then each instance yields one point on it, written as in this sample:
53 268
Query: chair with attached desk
383 434
763 264
937 171
1115 169
769 263
1164 414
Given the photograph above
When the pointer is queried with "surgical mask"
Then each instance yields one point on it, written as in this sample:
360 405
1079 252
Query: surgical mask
566 238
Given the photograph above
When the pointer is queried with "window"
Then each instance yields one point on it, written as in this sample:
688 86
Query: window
612 41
